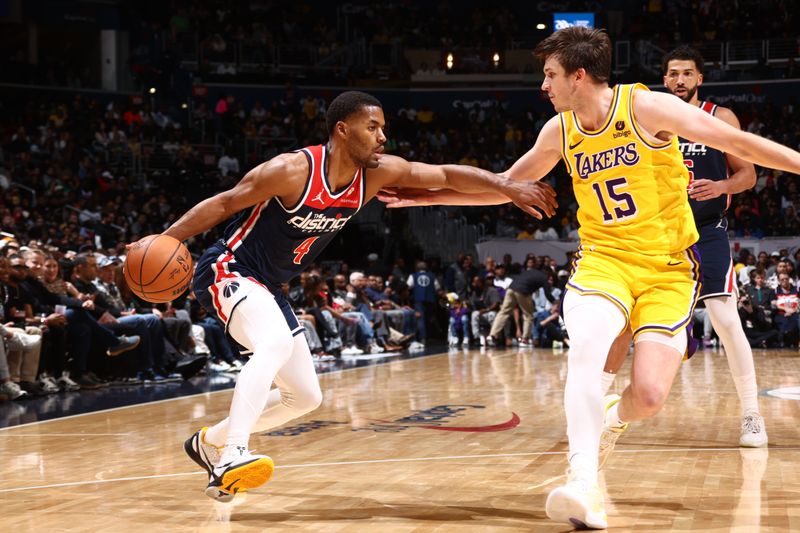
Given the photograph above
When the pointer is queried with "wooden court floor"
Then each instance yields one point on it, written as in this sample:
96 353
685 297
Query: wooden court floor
465 441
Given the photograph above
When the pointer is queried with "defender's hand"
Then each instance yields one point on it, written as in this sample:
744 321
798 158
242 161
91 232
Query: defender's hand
533 197
703 189
399 197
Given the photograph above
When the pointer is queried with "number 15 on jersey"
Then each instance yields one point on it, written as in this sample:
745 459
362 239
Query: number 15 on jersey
621 203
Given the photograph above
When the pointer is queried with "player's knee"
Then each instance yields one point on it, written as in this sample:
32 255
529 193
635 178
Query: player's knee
649 398
307 399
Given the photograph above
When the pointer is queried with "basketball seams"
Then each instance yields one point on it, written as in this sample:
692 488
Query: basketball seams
163 266
167 261
138 281
141 262
171 287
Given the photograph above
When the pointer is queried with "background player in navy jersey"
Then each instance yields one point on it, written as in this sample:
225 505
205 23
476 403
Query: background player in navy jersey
287 210
715 176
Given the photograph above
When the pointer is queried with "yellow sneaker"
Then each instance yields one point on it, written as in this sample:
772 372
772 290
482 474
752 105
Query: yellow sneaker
608 439
238 471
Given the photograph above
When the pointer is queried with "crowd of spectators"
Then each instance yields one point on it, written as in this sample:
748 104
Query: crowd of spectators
261 26
69 321
244 41
769 305
73 182
69 175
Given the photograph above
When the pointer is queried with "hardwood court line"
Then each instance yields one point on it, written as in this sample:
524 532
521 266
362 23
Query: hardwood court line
67 434
341 371
374 461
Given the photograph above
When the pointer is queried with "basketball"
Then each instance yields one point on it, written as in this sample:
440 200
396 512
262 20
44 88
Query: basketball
158 268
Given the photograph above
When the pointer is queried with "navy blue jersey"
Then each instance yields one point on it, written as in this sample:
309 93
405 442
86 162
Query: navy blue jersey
708 163
275 242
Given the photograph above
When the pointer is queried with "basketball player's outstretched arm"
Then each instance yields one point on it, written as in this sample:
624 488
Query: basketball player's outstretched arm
743 173
532 166
397 172
666 113
281 176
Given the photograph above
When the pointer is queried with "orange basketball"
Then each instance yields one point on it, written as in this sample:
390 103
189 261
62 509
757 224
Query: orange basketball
158 268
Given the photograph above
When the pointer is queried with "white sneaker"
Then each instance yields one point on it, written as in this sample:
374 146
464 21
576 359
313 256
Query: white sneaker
483 340
236 366
754 434
238 470
374 348
218 366
579 503
416 346
66 383
352 350
452 341
48 384
608 439
12 390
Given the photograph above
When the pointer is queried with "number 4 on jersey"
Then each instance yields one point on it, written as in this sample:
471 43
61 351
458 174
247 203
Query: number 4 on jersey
303 249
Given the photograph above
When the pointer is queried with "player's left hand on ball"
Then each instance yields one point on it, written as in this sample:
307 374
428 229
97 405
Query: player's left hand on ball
703 189
533 197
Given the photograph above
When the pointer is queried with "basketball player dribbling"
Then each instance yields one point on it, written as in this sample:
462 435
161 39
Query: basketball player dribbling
287 210
714 177
636 266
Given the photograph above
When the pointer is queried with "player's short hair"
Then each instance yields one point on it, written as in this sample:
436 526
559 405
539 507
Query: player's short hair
578 47
346 104
683 53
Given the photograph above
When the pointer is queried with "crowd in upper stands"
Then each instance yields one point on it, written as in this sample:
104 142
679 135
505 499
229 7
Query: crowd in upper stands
68 173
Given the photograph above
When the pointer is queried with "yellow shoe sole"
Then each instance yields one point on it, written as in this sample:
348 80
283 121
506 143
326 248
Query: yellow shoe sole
248 476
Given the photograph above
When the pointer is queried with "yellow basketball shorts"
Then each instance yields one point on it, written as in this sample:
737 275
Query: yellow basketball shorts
655 292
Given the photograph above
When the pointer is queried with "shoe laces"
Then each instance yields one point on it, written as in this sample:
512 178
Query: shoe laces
753 423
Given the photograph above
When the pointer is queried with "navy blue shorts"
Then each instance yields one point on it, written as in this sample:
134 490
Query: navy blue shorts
220 284
719 277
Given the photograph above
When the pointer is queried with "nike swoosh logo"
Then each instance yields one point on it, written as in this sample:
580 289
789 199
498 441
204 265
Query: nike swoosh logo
573 146
672 264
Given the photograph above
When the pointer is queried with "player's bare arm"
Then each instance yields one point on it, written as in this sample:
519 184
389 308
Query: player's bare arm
397 172
531 167
282 176
664 115
743 173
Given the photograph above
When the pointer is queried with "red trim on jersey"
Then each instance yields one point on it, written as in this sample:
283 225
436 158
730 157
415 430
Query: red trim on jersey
730 287
320 197
244 230
708 107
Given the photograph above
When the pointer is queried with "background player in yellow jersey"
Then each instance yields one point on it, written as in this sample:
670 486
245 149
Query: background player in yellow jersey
636 267
715 176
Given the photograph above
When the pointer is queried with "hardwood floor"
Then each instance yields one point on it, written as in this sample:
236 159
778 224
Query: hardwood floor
461 440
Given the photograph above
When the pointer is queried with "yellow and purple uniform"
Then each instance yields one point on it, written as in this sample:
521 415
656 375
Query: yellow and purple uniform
636 227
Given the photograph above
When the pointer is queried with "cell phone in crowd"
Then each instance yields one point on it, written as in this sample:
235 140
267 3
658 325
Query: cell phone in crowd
61 309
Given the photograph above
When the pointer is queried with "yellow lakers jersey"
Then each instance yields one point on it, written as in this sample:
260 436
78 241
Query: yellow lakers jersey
631 193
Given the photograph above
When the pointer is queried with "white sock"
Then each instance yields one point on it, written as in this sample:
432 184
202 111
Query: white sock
747 389
593 322
606 381
725 317
585 466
